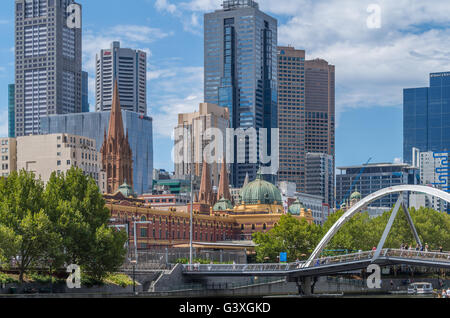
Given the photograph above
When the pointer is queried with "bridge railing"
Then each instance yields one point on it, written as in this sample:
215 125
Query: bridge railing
445 257
241 268
342 258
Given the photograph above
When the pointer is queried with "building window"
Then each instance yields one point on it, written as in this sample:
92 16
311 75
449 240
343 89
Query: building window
144 232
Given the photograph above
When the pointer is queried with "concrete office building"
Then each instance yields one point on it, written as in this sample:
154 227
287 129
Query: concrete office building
196 125
434 170
94 125
426 117
367 179
45 154
129 68
240 54
8 156
320 176
11 111
47 63
291 116
320 107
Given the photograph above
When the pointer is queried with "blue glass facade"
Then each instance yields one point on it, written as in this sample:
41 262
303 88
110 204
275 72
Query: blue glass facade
94 125
241 71
426 117
11 111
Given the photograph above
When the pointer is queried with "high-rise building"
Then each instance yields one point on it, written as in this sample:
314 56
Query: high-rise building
84 92
426 117
367 179
320 176
434 170
129 68
320 107
240 55
117 157
48 63
291 116
8 156
45 154
11 111
92 125
197 125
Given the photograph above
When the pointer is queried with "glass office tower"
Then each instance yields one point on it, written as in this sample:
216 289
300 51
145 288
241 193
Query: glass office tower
84 92
94 125
241 72
426 117
11 111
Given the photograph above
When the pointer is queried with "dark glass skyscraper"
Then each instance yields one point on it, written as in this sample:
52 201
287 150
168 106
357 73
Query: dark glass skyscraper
426 117
241 71
11 111
84 92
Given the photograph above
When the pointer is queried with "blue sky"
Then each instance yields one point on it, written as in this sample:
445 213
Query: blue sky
372 65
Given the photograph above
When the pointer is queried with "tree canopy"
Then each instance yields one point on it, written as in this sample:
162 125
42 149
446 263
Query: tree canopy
62 223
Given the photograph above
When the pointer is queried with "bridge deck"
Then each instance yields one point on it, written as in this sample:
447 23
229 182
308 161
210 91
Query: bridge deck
325 265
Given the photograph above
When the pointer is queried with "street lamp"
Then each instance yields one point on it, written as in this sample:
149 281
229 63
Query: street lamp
134 276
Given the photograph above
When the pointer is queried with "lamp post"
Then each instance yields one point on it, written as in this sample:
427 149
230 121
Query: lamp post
134 276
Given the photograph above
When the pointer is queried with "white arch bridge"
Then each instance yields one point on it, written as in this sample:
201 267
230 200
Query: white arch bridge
317 266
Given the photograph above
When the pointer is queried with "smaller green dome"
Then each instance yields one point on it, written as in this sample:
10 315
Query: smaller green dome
296 208
127 190
355 196
222 205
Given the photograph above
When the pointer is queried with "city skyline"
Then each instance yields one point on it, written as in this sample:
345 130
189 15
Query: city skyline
155 31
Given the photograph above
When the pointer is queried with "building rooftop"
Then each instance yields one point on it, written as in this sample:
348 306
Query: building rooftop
235 4
375 165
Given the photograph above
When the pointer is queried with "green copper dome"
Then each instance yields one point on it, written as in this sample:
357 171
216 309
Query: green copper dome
260 192
127 190
223 205
355 196
296 207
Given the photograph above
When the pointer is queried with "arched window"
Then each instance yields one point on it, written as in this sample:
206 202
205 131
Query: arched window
143 218
264 226
253 226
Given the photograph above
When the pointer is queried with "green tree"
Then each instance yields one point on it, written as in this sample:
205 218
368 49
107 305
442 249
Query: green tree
296 237
77 210
24 223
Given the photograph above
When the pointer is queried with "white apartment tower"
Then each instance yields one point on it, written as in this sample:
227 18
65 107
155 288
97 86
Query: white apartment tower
48 62
129 67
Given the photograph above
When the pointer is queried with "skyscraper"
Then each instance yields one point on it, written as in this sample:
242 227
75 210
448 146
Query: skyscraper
129 68
320 107
197 124
241 72
84 92
320 176
426 117
48 63
291 116
11 111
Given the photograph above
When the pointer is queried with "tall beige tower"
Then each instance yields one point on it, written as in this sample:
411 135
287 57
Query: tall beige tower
196 126
291 115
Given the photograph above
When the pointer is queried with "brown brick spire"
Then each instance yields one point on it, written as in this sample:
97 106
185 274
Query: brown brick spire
205 193
116 151
224 186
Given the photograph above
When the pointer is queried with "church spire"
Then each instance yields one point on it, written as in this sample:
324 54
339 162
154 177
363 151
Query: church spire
205 193
115 129
224 186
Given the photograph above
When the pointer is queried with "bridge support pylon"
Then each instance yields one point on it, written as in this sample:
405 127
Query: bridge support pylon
304 285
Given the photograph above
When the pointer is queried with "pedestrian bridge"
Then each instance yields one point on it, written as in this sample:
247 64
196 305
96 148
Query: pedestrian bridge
324 265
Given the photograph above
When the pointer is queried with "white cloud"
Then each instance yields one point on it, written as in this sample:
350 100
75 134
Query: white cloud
164 5
398 160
